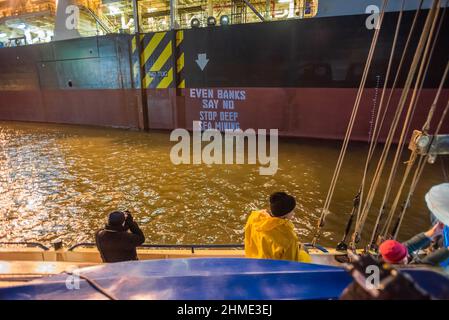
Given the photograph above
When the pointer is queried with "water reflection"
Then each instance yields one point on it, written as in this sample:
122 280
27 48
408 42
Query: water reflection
60 181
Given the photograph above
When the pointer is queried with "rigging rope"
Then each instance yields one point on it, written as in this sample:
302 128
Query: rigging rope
355 109
392 91
446 177
418 174
417 57
375 135
413 156
410 163
402 147
399 70
424 159
94 284
378 126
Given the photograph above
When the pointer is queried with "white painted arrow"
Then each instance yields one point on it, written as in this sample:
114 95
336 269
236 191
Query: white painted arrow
202 61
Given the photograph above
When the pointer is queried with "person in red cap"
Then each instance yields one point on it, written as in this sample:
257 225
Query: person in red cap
395 252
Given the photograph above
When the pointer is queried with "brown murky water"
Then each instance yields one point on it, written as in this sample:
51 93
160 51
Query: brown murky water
59 181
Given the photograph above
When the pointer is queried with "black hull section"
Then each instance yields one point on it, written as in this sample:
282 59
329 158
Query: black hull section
315 53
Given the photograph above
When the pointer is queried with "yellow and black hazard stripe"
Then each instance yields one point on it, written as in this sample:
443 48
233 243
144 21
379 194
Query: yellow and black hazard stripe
180 60
156 60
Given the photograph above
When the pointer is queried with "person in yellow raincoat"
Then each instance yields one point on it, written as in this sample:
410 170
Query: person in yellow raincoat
271 235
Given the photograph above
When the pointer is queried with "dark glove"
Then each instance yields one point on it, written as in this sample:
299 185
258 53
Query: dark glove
129 218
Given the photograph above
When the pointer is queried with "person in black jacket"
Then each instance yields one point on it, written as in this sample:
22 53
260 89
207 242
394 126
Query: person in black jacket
114 242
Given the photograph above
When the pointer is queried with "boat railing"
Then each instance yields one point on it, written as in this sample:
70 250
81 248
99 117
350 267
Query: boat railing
192 247
28 244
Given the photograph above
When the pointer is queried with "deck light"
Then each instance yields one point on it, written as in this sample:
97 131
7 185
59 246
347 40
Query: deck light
211 21
224 20
195 23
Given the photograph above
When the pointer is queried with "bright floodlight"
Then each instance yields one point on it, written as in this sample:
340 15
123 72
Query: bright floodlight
224 20
211 21
195 23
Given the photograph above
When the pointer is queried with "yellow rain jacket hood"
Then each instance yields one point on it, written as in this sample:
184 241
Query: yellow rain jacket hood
268 237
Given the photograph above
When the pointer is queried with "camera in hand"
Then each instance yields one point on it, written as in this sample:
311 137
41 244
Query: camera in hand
128 217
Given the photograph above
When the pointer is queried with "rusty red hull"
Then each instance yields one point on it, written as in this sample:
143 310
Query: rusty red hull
319 112
117 108
295 112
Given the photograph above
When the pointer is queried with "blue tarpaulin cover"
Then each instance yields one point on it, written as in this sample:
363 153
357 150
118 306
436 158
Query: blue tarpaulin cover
208 279
193 279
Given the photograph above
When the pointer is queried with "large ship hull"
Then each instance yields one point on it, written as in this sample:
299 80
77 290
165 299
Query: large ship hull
298 76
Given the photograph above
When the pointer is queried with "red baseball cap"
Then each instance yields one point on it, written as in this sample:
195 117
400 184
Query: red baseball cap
393 251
